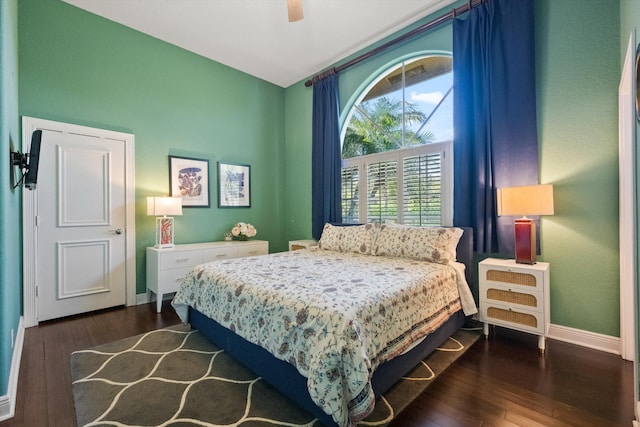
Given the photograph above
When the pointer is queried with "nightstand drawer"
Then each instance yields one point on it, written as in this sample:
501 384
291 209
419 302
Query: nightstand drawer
508 295
173 259
169 280
515 318
526 281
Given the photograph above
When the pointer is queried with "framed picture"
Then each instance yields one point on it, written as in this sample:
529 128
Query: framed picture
234 185
189 179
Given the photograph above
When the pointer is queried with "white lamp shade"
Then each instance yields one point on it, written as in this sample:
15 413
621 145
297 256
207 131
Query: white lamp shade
525 200
159 206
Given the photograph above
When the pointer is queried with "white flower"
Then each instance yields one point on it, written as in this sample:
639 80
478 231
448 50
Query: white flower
243 229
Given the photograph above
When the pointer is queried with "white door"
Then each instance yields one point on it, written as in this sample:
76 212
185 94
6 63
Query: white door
81 246
627 188
627 92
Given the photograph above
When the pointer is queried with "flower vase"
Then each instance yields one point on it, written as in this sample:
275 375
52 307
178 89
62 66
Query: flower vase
242 238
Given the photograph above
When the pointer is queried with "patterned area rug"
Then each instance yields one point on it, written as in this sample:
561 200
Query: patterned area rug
175 376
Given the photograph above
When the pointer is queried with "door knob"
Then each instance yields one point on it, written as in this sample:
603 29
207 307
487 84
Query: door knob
118 231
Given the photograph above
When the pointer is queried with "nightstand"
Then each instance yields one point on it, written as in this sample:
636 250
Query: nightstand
515 296
294 245
167 267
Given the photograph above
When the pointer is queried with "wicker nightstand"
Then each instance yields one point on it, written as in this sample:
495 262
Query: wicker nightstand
515 296
294 245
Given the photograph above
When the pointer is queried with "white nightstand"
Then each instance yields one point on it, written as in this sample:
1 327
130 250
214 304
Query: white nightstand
167 267
294 245
515 296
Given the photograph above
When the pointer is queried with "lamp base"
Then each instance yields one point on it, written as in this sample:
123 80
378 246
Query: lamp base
164 233
525 236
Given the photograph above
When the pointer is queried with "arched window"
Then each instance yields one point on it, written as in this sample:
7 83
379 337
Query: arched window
397 146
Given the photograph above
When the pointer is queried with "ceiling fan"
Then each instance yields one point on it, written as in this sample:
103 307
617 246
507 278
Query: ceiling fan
294 7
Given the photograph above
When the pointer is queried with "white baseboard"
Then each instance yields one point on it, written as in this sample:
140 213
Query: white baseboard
593 340
142 298
583 338
7 407
8 401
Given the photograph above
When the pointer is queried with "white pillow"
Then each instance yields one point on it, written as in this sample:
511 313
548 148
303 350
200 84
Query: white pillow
435 244
355 238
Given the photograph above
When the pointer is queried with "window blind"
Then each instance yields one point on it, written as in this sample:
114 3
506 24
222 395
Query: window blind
422 190
382 191
350 203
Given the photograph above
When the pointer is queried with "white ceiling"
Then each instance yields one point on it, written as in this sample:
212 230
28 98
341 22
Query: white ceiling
255 36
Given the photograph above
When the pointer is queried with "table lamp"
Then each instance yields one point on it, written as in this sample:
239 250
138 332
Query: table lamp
160 207
525 200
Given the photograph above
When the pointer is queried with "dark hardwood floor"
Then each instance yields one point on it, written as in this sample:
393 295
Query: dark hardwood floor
502 381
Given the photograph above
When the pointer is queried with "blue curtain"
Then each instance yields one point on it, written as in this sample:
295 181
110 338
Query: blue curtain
495 140
325 155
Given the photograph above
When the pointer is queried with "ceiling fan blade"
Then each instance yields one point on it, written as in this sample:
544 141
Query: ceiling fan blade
294 8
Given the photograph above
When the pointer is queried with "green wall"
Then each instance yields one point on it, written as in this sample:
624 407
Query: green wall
578 44
577 76
10 210
79 68
297 155
629 22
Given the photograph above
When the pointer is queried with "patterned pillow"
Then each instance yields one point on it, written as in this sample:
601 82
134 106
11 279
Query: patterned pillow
356 238
435 244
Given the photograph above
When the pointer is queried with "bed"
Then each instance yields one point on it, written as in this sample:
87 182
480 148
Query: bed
335 326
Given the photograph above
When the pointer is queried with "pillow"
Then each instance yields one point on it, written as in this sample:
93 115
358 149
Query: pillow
435 244
358 238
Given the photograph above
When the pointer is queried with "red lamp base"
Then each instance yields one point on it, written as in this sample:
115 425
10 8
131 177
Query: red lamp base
525 234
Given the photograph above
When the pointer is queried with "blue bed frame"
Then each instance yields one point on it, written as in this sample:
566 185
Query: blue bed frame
285 377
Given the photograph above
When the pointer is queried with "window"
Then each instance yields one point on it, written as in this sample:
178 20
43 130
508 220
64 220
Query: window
397 147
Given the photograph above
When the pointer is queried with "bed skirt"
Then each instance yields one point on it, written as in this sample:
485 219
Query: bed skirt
285 377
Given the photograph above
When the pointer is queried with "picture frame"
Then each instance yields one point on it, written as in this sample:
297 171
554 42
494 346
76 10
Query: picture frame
189 179
234 185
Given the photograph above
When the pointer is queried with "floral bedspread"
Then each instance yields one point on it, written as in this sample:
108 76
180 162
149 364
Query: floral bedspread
334 316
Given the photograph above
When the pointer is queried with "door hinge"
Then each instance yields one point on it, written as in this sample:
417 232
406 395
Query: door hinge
36 220
36 291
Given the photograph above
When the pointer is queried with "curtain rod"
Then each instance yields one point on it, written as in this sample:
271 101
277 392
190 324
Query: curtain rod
421 29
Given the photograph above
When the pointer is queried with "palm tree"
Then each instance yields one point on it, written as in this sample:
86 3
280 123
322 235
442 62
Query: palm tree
377 126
